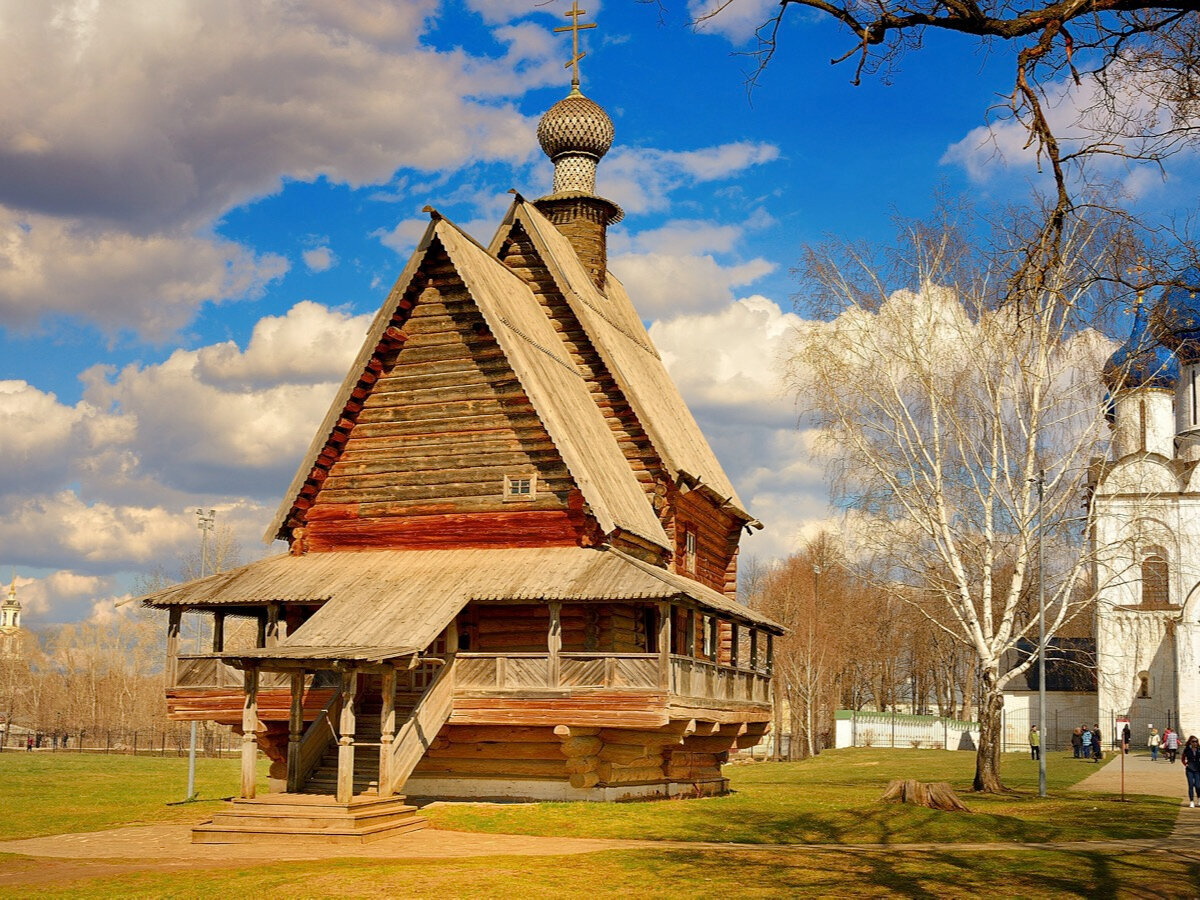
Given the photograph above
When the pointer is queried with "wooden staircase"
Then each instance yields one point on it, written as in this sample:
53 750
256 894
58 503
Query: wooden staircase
323 779
313 814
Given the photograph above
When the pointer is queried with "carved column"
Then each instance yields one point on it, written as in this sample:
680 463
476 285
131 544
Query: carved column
249 731
387 731
554 643
174 618
345 774
295 731
664 646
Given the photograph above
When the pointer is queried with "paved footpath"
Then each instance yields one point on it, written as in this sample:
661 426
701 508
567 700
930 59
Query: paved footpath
58 858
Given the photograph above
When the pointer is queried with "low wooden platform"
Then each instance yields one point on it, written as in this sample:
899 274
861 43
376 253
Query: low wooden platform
309 818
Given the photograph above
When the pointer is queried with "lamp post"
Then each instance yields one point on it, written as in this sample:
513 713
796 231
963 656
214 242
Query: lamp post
1040 481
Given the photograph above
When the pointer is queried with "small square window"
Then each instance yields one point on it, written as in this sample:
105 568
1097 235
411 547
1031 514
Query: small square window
519 487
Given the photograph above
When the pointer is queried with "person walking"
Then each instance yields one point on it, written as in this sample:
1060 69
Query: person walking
1126 734
1170 744
1097 752
1191 768
1085 741
1153 743
1035 743
1076 742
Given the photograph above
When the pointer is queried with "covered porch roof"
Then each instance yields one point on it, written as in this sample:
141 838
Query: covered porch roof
396 602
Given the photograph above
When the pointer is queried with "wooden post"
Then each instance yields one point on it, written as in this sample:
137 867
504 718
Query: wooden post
387 731
295 731
689 634
249 728
664 646
271 627
554 643
733 644
770 653
174 618
218 642
754 649
345 773
452 637
261 639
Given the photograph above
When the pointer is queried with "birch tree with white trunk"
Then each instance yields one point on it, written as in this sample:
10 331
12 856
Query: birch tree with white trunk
945 382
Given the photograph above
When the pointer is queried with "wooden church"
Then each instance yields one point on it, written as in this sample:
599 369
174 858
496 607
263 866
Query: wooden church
512 553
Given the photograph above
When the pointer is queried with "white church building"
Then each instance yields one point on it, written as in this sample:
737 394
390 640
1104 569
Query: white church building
1145 527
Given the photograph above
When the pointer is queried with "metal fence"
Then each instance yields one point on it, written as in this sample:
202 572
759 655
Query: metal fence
175 740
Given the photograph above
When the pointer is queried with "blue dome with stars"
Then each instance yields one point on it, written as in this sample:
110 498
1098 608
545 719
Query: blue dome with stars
1176 318
1141 361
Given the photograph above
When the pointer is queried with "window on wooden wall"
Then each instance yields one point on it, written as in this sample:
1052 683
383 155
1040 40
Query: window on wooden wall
520 487
1155 578
689 551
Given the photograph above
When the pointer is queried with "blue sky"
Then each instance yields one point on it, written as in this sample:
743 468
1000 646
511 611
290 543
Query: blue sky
203 201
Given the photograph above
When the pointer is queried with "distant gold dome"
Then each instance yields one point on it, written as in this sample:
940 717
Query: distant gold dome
575 125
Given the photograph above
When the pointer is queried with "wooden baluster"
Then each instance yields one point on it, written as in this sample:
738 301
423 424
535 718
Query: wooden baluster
345 773
295 731
387 732
249 729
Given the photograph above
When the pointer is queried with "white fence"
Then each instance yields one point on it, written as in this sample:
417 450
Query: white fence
853 728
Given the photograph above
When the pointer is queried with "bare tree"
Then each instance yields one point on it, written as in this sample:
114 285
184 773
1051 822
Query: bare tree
941 409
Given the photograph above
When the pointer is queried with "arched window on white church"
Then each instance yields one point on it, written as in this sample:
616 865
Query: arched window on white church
1143 685
1155 578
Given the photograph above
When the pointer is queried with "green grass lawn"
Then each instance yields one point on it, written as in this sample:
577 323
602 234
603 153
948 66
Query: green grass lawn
57 793
833 799
662 874
828 799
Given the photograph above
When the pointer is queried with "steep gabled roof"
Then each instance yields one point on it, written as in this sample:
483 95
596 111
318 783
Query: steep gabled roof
555 387
617 333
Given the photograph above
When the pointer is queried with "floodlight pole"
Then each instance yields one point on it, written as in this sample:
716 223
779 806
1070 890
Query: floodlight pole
206 520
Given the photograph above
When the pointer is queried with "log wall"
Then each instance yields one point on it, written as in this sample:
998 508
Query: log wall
717 534
432 436
524 628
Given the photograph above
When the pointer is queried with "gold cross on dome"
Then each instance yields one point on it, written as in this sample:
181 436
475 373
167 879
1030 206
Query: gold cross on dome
1139 268
573 63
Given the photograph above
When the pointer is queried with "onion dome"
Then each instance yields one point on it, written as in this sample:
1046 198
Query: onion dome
1141 361
1176 318
575 125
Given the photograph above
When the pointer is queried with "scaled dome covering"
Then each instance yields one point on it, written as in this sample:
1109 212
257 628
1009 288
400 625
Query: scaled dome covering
1176 317
575 125
1141 361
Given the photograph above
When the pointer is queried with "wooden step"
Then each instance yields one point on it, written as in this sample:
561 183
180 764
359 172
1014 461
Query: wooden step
308 818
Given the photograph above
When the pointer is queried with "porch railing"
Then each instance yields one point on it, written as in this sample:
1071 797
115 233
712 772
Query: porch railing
598 670
208 673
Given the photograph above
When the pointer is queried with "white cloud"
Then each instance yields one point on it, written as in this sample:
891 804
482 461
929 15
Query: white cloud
43 599
498 11
737 21
151 283
667 285
643 178
154 114
318 259
727 365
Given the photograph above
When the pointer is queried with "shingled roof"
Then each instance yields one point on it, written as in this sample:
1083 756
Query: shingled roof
556 388
615 330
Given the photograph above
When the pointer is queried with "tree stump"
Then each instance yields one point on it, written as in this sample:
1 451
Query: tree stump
938 795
